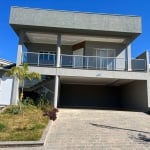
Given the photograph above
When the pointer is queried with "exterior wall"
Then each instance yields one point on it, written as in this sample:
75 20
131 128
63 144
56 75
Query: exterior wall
148 91
118 63
135 96
121 61
90 73
10 89
91 51
6 85
67 49
73 20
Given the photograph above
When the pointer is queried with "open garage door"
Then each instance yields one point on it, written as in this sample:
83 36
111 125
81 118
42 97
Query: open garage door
121 94
75 95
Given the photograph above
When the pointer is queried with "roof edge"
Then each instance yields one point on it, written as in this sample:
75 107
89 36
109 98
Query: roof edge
44 9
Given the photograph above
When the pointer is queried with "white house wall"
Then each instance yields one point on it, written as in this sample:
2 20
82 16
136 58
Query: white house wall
5 91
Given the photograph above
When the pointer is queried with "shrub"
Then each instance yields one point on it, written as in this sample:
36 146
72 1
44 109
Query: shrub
28 101
52 114
41 102
46 108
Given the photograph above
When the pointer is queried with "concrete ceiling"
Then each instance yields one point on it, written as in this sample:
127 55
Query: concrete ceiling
94 81
68 39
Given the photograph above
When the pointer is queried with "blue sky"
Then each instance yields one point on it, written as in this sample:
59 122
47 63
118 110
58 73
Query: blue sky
9 40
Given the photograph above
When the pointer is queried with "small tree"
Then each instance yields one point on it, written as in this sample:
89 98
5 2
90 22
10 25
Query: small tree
22 73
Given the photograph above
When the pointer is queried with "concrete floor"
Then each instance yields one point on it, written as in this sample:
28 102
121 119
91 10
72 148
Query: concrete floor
83 129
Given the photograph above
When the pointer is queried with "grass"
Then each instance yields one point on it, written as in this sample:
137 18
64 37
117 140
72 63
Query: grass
25 126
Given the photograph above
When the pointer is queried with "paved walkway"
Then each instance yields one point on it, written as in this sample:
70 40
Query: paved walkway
79 129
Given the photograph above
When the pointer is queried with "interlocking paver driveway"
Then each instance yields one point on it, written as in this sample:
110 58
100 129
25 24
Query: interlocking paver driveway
83 129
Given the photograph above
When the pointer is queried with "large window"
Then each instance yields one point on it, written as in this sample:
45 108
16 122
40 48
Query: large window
106 59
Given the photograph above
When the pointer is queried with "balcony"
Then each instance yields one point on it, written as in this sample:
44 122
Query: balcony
83 62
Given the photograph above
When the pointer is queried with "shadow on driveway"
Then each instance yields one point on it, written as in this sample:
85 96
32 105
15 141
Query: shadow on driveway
111 127
139 137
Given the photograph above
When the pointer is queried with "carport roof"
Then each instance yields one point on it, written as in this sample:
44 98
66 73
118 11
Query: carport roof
105 25
95 81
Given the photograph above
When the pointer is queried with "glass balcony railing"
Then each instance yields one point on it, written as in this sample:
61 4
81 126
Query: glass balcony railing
83 62
39 59
93 62
138 65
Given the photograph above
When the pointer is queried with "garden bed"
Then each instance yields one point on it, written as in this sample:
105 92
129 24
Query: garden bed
25 126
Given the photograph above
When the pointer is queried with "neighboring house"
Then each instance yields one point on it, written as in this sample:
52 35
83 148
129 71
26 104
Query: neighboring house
6 83
3 63
85 58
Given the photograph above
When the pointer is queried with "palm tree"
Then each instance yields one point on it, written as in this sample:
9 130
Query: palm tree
22 73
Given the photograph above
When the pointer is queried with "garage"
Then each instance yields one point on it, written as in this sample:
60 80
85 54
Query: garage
89 96
119 94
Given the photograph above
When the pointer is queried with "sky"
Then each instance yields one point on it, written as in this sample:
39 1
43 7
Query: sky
9 40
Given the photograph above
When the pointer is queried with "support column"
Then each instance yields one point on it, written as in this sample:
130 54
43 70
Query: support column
20 48
148 92
56 91
128 51
147 60
15 92
15 86
58 50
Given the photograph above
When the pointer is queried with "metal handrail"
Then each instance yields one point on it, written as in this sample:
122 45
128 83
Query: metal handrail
33 58
85 62
91 62
90 56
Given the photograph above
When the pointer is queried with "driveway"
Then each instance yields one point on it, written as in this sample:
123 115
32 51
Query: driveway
84 129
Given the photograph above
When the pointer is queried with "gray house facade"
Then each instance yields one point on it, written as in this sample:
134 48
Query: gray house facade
84 58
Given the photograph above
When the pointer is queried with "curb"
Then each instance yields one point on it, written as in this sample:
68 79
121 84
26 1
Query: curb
41 142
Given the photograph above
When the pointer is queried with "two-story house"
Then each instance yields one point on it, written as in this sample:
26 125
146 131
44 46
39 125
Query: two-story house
84 58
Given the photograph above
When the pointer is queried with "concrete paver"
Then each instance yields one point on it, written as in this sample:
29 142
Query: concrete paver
83 129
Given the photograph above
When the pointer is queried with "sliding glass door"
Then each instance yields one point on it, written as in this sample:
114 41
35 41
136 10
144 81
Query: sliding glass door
106 59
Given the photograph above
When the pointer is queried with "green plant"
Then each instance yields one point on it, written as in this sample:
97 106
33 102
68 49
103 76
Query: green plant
2 127
28 101
52 114
22 73
37 126
30 127
46 108
14 110
42 101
